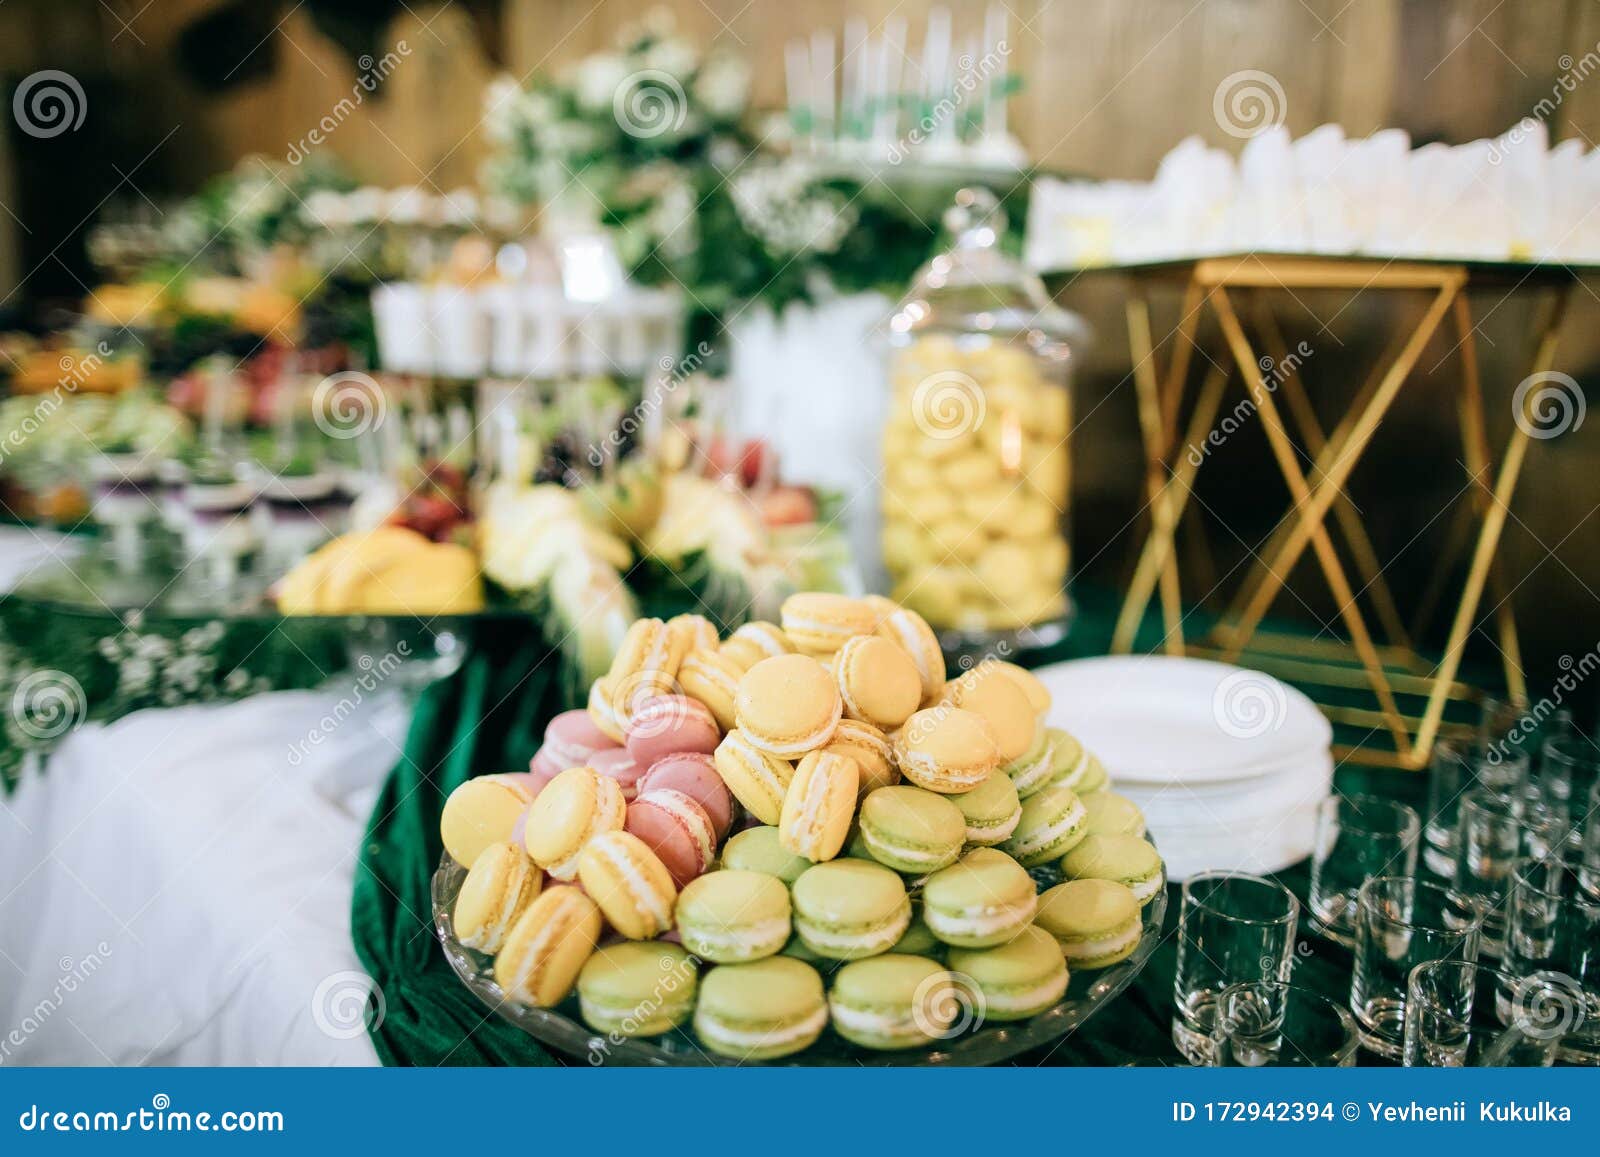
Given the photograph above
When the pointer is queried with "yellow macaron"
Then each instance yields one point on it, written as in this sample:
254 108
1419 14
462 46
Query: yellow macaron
1037 693
629 882
947 750
647 646
500 885
872 751
573 808
713 678
481 812
757 780
1002 703
820 622
692 633
788 705
819 805
878 681
911 631
547 947
602 712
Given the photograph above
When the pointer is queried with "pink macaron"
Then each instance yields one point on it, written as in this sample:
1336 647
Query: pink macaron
668 724
542 768
618 764
572 737
695 775
677 829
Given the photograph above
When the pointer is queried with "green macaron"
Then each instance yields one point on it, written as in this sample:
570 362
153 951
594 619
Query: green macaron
1111 814
637 988
1096 922
1074 765
1030 772
983 899
1128 860
894 1001
761 1010
1017 979
731 916
847 909
991 810
758 850
1052 824
912 830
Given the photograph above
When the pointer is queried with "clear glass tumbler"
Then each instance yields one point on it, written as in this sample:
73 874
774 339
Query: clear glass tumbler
1452 1022
1455 769
1401 923
1266 1023
1232 928
1553 931
1358 837
1494 831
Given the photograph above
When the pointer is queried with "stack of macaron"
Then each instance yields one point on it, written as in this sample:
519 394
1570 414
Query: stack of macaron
802 799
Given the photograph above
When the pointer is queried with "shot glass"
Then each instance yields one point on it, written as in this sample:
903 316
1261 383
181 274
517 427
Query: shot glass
1401 923
1495 831
1453 1020
1358 837
1232 928
1454 770
1569 773
1553 932
1266 1023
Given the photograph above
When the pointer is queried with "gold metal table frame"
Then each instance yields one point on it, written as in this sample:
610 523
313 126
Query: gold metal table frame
1390 670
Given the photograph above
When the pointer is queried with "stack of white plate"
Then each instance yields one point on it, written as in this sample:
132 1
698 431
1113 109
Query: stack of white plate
1228 764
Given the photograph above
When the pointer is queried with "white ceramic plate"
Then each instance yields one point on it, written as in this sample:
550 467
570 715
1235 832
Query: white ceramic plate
1154 719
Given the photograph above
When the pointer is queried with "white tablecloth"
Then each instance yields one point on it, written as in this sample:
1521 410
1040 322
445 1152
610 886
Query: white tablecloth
175 888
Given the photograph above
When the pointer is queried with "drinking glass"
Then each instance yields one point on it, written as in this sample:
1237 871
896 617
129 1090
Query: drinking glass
1358 837
1451 1019
1268 1023
1454 770
1589 847
1553 931
1569 771
1495 831
1506 724
1401 923
1232 928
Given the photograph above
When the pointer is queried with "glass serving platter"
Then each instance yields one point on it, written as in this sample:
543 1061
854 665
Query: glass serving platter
562 1029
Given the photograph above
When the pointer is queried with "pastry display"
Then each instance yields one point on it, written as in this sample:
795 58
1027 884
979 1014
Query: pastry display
801 825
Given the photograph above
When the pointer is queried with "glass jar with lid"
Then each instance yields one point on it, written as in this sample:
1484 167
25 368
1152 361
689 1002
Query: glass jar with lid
976 456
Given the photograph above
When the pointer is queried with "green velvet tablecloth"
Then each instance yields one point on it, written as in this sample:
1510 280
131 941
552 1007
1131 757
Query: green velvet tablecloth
489 717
